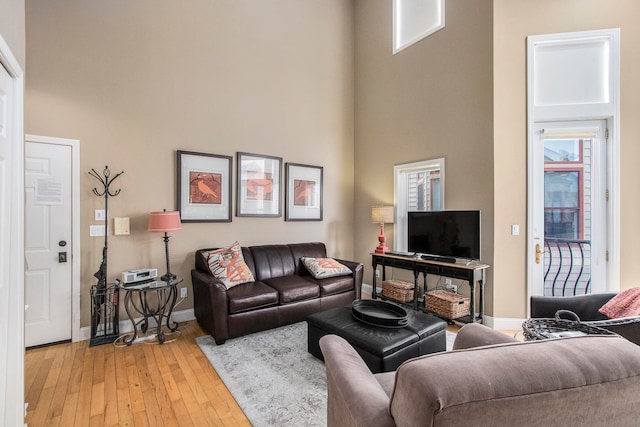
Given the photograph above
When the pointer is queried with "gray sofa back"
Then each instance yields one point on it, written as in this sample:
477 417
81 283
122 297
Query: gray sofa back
591 381
581 381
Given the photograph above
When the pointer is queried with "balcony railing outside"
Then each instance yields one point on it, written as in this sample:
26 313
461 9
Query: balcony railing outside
567 267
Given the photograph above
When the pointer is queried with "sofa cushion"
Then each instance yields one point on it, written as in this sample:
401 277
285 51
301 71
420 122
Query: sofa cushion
294 288
334 285
250 296
272 261
227 264
322 268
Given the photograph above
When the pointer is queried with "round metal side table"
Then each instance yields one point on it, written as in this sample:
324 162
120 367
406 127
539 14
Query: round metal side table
155 299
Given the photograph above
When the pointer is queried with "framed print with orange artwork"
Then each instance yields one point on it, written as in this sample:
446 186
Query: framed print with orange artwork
258 188
204 187
304 193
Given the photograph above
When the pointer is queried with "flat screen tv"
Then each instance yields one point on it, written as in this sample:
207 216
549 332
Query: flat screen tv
444 233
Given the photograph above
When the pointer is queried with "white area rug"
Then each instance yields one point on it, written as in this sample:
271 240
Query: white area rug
273 378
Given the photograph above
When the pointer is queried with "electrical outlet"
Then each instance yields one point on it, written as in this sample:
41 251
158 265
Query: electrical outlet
183 292
450 286
377 274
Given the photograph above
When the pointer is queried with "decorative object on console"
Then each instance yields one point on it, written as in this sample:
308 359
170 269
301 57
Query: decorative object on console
303 197
382 215
322 268
228 265
204 187
258 188
164 222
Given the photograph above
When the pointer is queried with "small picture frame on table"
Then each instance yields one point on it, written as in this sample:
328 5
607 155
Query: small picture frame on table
204 187
258 187
304 193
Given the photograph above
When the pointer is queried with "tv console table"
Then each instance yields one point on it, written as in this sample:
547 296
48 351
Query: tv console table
472 272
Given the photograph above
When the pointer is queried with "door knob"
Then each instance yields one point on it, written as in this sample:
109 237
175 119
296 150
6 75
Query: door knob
62 243
538 253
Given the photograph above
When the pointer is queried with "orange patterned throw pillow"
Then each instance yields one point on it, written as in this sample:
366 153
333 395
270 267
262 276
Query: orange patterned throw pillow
321 268
625 304
227 264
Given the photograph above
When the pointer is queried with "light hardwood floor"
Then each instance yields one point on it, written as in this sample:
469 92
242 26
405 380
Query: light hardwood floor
140 385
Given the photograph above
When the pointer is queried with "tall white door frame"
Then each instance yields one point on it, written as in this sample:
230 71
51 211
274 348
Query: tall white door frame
559 90
75 227
12 292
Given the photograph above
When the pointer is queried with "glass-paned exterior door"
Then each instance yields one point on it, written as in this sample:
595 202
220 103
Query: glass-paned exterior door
574 207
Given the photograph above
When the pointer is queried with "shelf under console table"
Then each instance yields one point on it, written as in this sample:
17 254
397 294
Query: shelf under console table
473 272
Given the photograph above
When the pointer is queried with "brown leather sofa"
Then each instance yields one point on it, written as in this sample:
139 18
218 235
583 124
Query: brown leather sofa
284 292
490 380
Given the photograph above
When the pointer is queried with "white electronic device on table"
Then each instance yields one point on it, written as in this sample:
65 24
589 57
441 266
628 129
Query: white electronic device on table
141 275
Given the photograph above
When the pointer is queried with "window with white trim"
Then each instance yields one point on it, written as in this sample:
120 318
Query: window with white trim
419 186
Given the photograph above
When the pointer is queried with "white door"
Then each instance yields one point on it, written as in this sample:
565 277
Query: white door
568 192
48 240
11 240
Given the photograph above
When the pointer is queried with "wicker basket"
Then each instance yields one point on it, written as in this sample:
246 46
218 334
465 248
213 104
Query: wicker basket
398 290
446 304
542 328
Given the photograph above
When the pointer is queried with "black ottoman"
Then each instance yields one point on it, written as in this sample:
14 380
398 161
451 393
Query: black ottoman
382 349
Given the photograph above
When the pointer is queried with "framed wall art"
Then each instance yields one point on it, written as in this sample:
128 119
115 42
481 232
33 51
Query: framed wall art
204 187
304 193
258 188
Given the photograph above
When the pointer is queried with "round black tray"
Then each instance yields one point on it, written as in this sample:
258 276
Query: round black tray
380 313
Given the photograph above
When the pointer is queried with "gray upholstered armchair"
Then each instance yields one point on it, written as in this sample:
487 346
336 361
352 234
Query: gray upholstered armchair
489 380
586 307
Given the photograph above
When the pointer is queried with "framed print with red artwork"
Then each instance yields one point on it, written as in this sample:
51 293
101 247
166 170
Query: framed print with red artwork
204 187
258 189
304 193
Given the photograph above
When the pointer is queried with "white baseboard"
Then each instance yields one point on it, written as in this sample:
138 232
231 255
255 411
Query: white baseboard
503 323
125 325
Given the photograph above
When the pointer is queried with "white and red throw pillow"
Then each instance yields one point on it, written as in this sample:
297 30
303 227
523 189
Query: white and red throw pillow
227 264
321 268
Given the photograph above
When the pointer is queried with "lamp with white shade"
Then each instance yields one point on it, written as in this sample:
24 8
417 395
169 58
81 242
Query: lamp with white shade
382 215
